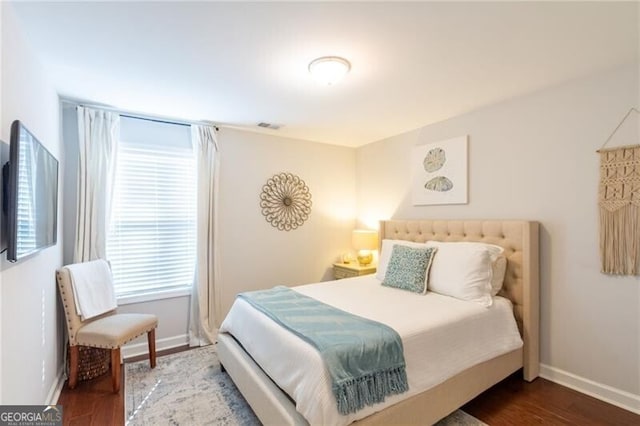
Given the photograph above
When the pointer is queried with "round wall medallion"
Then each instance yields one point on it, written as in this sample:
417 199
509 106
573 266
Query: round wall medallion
285 201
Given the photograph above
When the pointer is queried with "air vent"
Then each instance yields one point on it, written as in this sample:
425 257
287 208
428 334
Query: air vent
269 125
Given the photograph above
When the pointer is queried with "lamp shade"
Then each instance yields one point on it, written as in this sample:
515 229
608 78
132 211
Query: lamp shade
364 239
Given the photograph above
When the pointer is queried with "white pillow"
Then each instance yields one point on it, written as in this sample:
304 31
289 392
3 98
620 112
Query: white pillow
498 261
499 269
385 254
494 250
463 270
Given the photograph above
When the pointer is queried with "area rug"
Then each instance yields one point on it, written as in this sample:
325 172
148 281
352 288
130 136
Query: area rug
188 388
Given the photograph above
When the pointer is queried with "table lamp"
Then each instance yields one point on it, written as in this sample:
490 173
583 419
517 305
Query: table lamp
364 241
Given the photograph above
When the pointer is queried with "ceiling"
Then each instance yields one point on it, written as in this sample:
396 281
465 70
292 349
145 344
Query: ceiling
243 63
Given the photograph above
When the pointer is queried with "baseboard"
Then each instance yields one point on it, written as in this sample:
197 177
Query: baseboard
136 349
56 388
617 397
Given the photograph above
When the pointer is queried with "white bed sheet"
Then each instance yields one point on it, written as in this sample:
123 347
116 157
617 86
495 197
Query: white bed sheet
442 336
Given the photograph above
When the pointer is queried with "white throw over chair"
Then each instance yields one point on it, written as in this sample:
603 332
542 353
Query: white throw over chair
109 330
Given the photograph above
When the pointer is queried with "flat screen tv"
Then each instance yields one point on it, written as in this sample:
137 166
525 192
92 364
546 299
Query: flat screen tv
31 195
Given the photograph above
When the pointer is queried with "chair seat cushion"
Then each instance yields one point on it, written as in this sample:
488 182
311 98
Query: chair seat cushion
115 330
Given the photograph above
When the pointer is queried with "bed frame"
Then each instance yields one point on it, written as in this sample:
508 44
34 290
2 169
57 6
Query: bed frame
521 286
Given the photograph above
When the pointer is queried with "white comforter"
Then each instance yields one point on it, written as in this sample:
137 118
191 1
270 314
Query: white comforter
442 336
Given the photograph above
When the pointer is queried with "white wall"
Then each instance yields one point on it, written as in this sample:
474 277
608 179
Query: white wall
534 158
173 324
253 254
3 156
30 330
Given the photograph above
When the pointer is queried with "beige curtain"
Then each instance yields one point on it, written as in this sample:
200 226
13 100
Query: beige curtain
205 297
619 201
98 133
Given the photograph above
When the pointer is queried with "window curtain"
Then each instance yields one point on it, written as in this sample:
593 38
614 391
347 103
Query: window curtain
205 297
98 133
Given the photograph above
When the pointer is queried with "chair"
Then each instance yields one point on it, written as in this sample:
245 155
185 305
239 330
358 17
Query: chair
109 331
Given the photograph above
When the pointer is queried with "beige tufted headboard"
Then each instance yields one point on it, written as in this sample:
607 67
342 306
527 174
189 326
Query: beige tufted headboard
521 284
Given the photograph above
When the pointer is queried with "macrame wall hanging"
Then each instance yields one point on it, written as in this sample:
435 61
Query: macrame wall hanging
619 202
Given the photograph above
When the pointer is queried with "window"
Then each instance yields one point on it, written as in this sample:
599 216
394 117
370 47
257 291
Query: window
26 220
152 238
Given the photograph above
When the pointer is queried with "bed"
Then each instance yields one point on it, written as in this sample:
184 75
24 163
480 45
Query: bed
519 239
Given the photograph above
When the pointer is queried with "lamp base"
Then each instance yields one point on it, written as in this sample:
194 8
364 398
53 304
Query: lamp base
364 257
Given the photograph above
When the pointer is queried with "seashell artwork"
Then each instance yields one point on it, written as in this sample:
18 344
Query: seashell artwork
440 172
439 183
434 160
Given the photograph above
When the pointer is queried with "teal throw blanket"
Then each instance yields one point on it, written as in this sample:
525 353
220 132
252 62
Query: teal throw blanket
364 358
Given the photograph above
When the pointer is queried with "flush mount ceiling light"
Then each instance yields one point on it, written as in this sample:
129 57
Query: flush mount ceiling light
329 69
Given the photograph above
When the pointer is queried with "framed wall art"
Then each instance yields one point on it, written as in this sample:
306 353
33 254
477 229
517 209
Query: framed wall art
440 172
285 201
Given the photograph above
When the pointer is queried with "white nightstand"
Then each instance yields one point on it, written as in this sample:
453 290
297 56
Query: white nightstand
348 270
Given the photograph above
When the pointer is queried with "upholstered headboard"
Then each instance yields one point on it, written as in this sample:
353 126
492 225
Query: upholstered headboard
521 285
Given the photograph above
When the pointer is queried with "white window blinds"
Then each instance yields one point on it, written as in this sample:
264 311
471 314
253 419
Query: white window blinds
26 220
151 243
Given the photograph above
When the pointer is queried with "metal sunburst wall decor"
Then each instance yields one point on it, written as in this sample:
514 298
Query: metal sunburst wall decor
285 201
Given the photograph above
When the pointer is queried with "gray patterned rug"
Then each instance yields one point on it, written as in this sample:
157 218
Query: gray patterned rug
188 388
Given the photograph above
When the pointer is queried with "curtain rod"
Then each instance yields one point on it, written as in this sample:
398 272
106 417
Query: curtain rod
148 117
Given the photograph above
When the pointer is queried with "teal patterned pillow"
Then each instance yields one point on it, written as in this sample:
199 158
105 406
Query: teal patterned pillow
409 268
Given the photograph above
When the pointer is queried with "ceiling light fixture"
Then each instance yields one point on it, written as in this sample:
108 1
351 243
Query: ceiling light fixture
329 69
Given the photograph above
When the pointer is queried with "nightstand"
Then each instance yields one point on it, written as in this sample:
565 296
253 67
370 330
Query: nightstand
348 270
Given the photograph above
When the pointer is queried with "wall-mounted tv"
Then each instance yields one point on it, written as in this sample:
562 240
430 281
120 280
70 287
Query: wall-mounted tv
31 195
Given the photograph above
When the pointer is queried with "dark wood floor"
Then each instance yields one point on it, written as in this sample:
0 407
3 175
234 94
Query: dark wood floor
92 403
510 402
541 402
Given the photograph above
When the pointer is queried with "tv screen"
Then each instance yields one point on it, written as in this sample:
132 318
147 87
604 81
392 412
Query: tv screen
32 195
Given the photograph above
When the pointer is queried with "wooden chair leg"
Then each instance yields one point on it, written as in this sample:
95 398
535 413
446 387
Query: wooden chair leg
115 369
151 337
73 366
